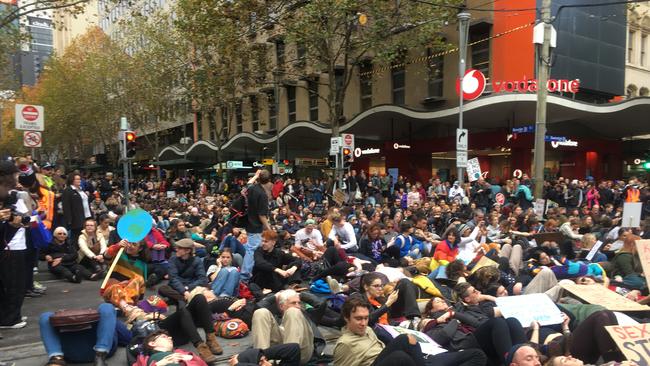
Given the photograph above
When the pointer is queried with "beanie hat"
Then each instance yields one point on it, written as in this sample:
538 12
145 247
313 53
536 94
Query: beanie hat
511 354
462 228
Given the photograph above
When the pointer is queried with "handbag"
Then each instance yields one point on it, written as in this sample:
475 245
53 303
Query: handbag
73 320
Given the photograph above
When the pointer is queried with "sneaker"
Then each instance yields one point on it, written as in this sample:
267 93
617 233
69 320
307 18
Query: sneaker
35 270
39 286
23 318
31 294
20 325
334 285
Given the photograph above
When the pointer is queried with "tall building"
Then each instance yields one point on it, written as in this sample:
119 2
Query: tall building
38 48
404 117
637 61
70 26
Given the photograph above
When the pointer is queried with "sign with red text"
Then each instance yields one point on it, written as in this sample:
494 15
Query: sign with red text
633 341
643 248
30 117
474 83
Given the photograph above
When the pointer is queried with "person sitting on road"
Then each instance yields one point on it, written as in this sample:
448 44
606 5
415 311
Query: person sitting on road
97 343
61 258
186 272
274 269
91 248
224 276
294 326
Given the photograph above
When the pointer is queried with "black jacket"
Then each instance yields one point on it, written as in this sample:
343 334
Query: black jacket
186 273
66 251
73 209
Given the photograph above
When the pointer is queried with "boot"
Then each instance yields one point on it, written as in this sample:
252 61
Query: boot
100 359
211 340
205 354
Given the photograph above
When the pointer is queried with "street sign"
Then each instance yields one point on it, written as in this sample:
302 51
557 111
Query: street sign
32 139
461 159
234 164
335 145
473 169
461 139
30 117
348 143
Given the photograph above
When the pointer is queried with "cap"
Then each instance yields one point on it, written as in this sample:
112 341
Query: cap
185 243
47 166
462 227
310 222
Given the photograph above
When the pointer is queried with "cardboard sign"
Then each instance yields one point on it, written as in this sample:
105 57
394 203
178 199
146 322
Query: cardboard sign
339 197
484 262
632 340
428 345
473 169
631 214
539 206
643 248
600 295
593 250
529 308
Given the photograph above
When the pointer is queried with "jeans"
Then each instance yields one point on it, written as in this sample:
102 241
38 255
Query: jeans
80 346
254 241
226 283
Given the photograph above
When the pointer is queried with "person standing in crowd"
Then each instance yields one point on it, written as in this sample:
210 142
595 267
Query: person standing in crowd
76 206
13 247
258 213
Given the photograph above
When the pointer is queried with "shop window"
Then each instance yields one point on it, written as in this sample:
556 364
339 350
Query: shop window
291 103
398 79
365 77
436 67
255 113
312 87
480 52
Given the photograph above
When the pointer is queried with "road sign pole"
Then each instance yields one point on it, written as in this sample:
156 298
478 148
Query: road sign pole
544 67
124 126
463 30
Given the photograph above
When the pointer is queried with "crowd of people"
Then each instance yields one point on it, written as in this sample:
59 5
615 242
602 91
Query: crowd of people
284 256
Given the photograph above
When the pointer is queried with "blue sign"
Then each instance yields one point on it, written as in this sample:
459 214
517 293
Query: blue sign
523 129
135 225
548 138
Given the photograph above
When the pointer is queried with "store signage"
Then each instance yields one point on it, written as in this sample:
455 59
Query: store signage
358 152
234 164
474 83
570 143
549 138
523 129
397 146
257 164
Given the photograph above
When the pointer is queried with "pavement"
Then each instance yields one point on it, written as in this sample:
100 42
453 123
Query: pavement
24 346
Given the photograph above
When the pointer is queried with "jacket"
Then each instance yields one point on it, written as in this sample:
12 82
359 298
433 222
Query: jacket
46 207
85 249
66 251
73 209
445 252
267 262
185 275
355 350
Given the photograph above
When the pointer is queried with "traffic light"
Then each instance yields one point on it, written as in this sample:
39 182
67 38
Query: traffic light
130 143
347 157
646 165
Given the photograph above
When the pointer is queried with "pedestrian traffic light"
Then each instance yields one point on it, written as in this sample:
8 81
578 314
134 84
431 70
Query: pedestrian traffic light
646 165
347 157
130 143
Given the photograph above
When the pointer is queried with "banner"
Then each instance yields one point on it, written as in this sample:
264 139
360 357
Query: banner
529 308
428 345
632 340
598 294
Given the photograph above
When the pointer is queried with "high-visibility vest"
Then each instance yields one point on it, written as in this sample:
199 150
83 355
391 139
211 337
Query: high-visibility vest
633 195
46 205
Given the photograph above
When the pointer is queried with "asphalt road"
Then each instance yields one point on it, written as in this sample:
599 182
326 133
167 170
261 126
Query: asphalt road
24 346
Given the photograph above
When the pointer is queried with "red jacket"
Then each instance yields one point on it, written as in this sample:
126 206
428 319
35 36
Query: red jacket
155 236
444 252
278 187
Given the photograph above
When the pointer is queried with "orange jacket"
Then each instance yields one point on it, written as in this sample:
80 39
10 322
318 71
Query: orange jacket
46 206
633 195
444 252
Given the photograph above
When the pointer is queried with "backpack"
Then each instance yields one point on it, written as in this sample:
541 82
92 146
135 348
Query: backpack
231 328
239 209
140 330
335 302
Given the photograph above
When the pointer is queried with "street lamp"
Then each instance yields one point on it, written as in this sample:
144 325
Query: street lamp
463 31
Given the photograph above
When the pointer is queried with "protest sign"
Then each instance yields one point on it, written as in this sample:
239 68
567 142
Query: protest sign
632 340
593 250
597 294
484 262
643 248
631 214
339 197
428 345
529 308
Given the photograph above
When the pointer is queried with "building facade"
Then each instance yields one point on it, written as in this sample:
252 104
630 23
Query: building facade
637 60
70 26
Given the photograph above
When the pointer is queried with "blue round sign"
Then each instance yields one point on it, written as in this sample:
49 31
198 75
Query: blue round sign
135 225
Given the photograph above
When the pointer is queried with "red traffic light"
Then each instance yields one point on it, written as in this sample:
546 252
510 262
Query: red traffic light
347 151
129 136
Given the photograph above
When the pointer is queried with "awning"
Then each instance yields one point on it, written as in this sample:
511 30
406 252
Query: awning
177 163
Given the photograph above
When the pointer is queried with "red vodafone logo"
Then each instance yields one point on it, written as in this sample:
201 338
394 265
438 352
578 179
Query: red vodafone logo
473 84
30 113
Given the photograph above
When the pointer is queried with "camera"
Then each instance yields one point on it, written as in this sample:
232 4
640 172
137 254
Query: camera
9 202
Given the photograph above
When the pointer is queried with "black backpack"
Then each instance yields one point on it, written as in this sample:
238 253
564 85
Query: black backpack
239 209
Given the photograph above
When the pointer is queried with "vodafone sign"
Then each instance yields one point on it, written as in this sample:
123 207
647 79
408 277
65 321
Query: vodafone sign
473 84
30 117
